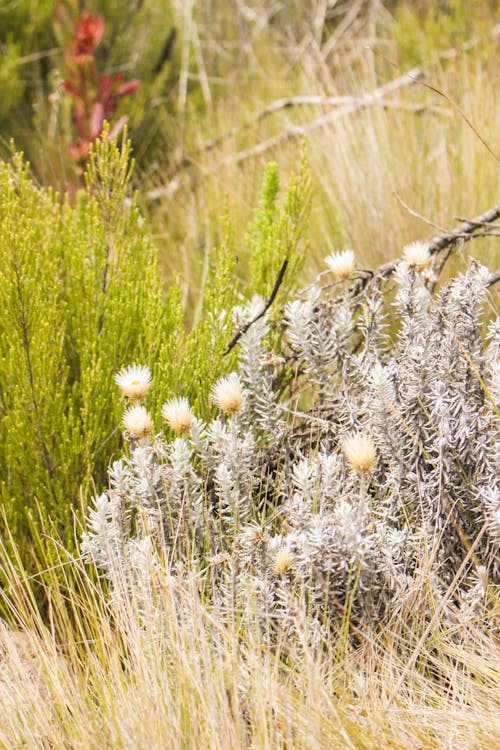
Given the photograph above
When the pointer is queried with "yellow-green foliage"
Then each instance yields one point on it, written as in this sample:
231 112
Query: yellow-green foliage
82 295
276 230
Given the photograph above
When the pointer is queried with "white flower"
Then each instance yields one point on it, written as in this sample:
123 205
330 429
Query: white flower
228 394
342 264
177 413
137 420
282 561
417 254
134 381
359 451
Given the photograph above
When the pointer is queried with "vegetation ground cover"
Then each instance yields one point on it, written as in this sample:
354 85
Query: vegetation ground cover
247 575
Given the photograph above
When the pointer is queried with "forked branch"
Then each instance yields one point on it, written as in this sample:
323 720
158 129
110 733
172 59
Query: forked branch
468 230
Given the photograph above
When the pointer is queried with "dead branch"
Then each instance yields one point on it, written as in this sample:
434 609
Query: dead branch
297 131
239 333
310 100
346 105
416 214
494 278
464 232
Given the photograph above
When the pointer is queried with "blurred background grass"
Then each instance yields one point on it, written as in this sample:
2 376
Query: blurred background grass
207 70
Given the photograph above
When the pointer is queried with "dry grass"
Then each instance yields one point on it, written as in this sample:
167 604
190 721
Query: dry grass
419 145
82 678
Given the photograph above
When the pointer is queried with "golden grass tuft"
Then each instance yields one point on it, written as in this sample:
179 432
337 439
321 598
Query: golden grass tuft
87 677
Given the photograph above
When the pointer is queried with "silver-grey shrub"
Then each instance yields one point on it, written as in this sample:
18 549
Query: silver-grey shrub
359 469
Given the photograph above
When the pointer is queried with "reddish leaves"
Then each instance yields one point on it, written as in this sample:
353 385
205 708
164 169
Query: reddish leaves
94 95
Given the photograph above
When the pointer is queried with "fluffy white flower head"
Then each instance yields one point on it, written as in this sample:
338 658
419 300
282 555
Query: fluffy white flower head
283 560
134 381
178 415
228 394
137 420
359 451
342 264
417 254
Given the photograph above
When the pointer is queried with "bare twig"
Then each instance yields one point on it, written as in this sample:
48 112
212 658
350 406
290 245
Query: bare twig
346 105
453 103
416 214
493 224
445 241
239 333
463 233
494 278
297 131
310 100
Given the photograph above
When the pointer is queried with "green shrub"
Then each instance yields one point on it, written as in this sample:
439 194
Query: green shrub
82 296
275 232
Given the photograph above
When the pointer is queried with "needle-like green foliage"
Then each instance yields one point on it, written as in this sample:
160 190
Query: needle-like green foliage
82 296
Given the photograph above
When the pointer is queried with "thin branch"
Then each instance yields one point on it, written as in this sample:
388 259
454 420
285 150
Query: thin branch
416 214
492 224
239 333
453 103
464 232
494 278
310 100
297 131
346 105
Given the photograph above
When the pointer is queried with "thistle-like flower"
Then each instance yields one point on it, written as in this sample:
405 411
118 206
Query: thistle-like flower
134 381
137 420
178 415
228 394
283 560
359 451
417 254
342 264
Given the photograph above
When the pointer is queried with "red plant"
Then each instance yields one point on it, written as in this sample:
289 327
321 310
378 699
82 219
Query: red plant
94 95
